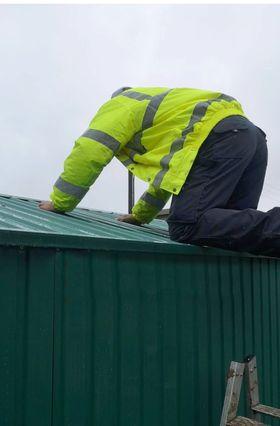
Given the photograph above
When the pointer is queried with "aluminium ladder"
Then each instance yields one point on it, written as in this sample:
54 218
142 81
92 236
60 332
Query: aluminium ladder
235 377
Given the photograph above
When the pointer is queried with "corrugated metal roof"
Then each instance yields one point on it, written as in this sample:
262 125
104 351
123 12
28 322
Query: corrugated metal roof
23 214
23 223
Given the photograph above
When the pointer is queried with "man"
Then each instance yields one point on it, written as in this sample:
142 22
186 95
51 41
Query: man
196 145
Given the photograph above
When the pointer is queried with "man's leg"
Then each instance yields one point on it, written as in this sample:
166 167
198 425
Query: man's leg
218 167
248 190
219 179
247 230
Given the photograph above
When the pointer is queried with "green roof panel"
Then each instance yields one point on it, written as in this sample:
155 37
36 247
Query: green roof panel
23 223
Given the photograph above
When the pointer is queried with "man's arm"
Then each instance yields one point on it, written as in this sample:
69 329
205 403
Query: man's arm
148 206
111 128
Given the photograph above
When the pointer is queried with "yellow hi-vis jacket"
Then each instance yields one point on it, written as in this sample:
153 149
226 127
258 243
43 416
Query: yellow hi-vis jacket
155 132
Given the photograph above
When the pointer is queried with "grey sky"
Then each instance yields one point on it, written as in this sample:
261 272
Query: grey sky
60 63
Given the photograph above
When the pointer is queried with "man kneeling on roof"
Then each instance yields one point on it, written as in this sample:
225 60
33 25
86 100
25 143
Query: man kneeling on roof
196 145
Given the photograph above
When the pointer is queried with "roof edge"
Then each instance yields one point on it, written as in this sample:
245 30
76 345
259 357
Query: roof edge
49 240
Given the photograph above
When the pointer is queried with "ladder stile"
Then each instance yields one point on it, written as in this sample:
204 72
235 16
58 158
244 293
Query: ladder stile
253 385
232 395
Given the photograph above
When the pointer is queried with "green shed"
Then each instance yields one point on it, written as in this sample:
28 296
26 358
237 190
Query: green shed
108 324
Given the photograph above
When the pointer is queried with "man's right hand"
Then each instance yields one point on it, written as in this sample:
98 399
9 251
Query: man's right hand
129 218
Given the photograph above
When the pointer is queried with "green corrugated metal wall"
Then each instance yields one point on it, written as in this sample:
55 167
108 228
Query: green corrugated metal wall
26 330
135 335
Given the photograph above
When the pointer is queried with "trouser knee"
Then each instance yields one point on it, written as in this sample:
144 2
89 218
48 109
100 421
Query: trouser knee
175 230
179 231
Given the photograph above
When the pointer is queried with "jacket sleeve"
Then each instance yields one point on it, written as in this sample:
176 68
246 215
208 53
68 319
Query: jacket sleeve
150 204
111 128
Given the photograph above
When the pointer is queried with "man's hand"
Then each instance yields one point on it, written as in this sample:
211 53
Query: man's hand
129 218
46 205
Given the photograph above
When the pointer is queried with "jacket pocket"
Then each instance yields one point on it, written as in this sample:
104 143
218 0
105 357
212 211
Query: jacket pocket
229 135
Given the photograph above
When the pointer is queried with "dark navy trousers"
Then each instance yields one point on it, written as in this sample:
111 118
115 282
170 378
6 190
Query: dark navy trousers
217 205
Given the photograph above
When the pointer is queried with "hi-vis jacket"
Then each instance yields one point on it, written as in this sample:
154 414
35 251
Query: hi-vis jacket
155 132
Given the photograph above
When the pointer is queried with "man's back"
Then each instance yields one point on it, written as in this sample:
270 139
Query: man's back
155 132
170 126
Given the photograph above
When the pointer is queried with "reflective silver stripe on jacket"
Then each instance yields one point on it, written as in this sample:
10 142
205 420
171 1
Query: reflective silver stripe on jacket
150 199
128 162
119 91
71 189
103 138
198 113
151 110
136 95
135 144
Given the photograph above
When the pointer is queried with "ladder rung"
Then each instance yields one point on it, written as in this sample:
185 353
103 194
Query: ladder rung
265 409
243 421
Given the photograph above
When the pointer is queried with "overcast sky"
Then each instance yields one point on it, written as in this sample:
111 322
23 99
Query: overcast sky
60 63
